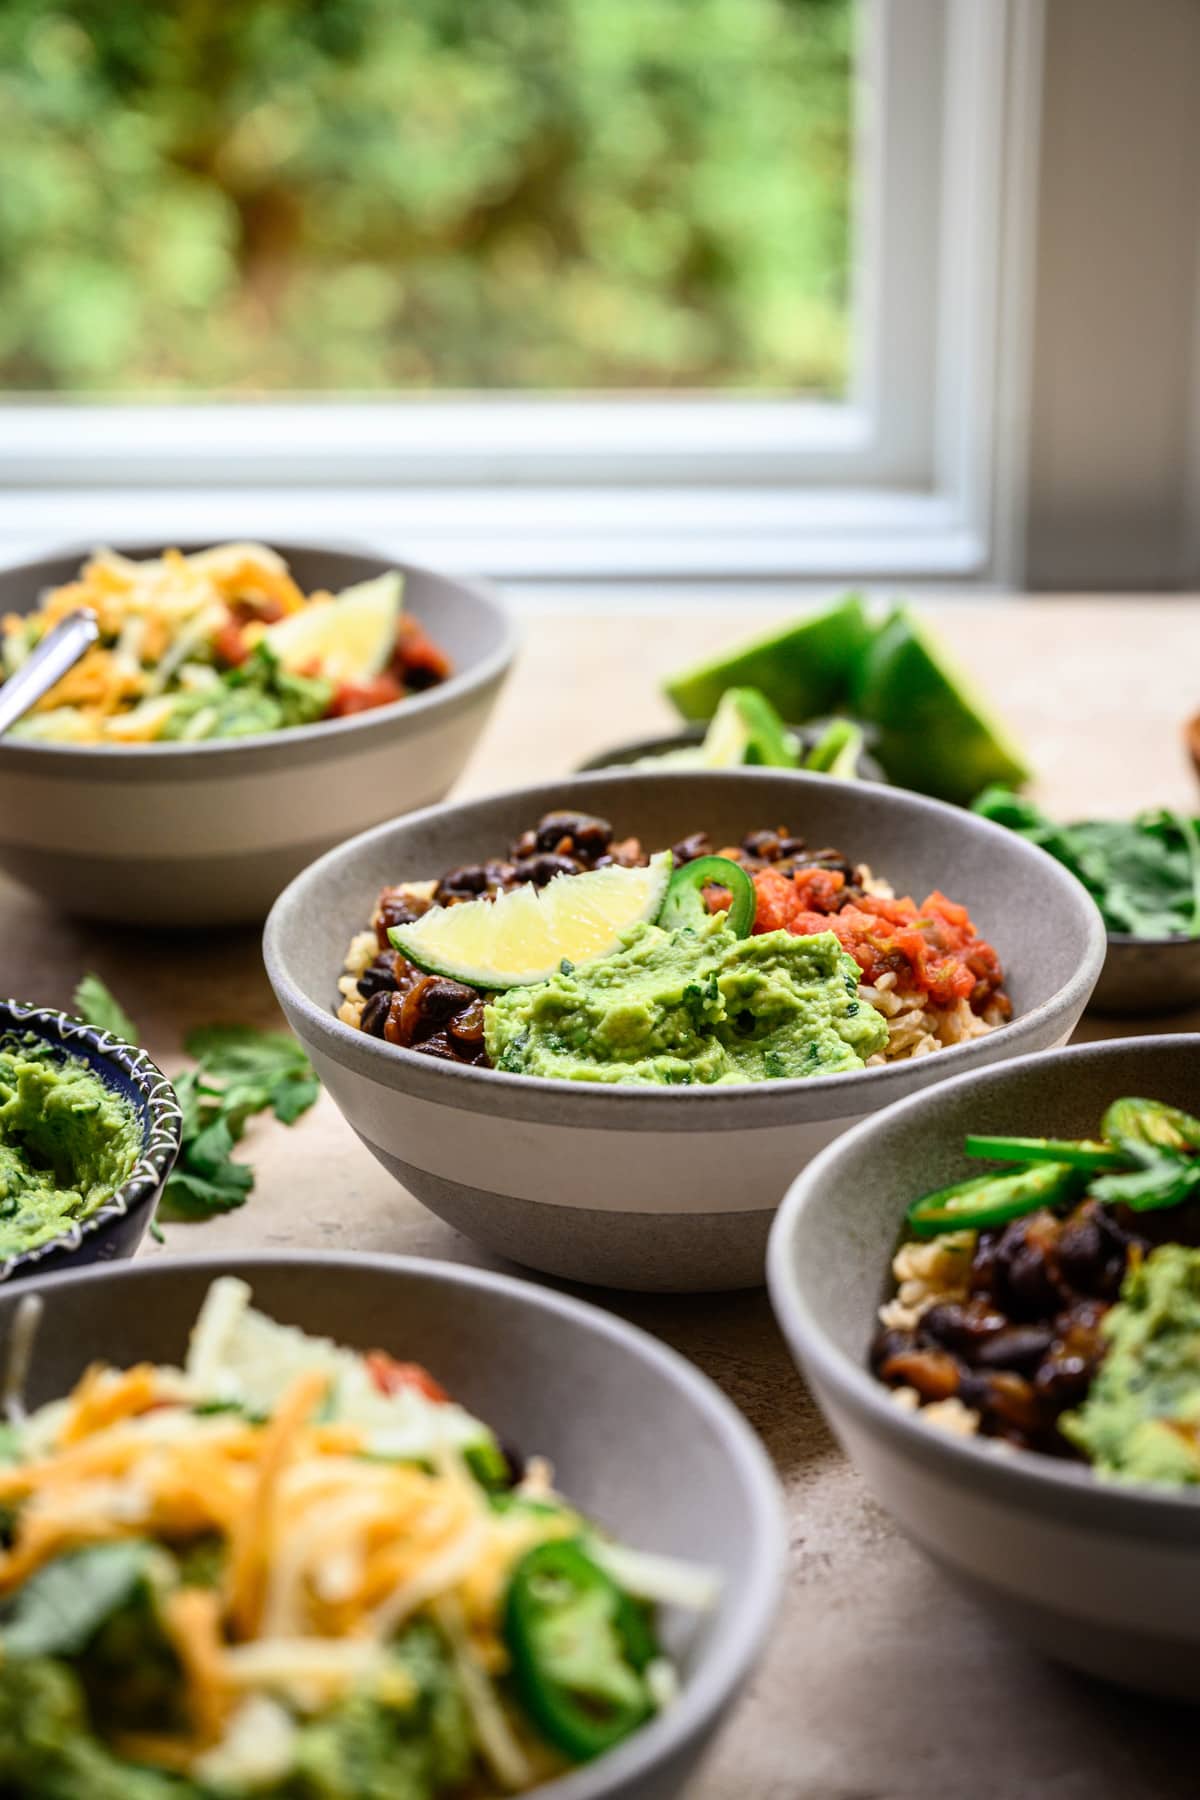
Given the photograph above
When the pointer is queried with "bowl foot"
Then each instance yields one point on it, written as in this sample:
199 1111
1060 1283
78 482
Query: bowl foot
666 1253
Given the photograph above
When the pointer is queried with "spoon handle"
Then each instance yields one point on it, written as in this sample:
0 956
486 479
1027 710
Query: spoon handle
59 650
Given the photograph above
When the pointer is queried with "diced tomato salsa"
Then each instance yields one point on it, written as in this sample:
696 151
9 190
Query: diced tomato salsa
934 948
391 1376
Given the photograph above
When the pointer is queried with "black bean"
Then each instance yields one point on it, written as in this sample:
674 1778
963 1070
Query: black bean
374 1014
379 977
468 881
961 1326
765 844
890 1341
543 868
689 848
1019 1347
588 836
934 1373
438 999
467 1026
439 1047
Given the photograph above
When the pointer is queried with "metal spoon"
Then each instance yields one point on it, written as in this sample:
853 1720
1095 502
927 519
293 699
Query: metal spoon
59 650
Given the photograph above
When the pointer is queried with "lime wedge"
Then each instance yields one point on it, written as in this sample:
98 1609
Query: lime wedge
935 734
803 670
350 638
746 729
527 935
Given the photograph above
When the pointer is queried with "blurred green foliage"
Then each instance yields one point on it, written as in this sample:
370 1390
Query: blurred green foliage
256 195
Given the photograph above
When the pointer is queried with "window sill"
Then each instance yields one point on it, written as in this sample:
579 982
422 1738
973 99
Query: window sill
534 534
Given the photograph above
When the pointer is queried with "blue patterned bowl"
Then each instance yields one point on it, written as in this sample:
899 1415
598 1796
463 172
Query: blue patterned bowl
116 1228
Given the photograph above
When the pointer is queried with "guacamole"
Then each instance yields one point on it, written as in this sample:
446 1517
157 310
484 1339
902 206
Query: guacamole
67 1142
691 1006
1141 1419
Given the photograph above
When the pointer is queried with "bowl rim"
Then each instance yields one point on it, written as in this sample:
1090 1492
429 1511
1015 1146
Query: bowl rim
161 1134
847 1090
727 1659
1126 940
1066 1491
460 687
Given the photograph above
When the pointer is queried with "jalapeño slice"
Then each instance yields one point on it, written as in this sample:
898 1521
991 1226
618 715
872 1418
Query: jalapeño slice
684 903
1085 1154
1142 1125
580 1647
988 1200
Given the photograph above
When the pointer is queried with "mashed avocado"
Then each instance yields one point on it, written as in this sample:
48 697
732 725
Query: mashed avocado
67 1142
678 1007
1141 1420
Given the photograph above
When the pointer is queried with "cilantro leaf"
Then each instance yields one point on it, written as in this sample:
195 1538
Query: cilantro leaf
95 1005
294 1096
240 1071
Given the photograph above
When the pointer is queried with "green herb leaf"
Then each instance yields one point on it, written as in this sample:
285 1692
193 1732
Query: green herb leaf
1143 873
189 1196
294 1096
240 1071
59 1610
95 1005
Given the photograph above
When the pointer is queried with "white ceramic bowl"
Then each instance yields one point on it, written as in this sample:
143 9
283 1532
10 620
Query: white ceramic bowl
665 1188
208 833
1103 1576
643 1443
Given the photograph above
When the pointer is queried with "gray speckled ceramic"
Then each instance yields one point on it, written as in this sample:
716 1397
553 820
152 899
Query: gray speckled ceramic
207 834
646 1445
1102 1576
622 755
1148 976
640 1187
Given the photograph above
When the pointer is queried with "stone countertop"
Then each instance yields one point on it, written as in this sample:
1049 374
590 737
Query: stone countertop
881 1682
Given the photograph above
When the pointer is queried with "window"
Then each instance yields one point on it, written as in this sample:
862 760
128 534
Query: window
537 286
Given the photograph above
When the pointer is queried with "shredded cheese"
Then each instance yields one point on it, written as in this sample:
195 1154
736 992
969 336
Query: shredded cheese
329 1548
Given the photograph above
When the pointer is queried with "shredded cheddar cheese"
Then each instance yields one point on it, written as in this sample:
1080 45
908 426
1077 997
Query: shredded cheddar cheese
297 1509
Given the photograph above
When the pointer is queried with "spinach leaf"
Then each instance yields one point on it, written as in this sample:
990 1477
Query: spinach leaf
59 1610
1143 873
95 1005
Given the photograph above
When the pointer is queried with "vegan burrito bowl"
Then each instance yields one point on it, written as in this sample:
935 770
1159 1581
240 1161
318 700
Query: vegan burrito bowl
220 643
1054 1302
290 1569
582 956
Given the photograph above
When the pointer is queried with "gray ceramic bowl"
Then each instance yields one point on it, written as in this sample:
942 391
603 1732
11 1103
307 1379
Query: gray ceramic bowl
118 1227
646 1445
622 755
663 1188
207 834
1101 1576
1148 976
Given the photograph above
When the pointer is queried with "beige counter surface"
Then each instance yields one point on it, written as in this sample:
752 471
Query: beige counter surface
881 1682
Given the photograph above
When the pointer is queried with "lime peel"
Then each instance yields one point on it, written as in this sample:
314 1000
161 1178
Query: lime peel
527 935
349 638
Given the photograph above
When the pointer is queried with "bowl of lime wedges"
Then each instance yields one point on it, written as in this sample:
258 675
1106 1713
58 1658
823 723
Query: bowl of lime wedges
886 674
747 732
568 1020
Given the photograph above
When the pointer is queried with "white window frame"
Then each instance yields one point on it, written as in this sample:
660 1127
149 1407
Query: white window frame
901 480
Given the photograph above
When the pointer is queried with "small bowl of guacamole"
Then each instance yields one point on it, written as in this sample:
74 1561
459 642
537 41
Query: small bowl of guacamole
89 1132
